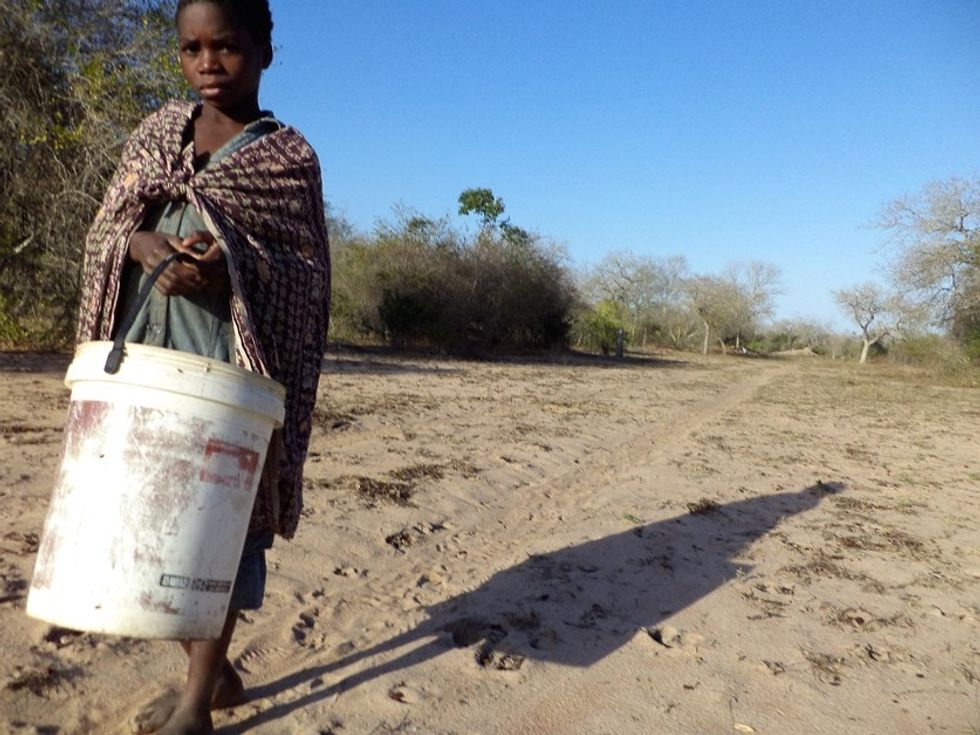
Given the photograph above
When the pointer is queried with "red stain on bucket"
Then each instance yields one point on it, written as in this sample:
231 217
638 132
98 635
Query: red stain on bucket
245 462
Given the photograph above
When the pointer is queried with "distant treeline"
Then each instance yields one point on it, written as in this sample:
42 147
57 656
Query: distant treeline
418 281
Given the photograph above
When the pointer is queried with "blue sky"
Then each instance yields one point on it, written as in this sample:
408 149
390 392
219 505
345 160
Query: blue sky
722 131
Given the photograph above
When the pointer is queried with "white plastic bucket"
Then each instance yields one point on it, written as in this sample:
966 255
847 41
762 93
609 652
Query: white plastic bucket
148 518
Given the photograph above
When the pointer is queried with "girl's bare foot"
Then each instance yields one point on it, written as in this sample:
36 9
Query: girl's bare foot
152 716
186 722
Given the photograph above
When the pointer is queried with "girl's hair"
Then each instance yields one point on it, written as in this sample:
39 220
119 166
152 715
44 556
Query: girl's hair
254 15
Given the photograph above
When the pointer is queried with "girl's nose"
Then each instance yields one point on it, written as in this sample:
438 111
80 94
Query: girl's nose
208 61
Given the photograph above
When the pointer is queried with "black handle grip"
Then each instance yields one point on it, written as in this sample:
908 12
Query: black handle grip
114 360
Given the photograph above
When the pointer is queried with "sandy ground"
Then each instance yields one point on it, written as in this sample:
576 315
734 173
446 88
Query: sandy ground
666 545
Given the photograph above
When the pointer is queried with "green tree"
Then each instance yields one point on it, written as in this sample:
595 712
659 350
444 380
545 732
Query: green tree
481 201
78 76
598 327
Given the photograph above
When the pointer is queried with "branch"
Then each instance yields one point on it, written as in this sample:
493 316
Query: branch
18 249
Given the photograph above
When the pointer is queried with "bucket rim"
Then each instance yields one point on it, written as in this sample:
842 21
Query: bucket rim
176 359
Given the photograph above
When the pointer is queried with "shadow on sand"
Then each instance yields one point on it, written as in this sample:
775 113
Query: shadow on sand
573 606
34 362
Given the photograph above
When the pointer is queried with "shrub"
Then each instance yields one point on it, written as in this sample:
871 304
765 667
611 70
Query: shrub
598 327
931 351
417 282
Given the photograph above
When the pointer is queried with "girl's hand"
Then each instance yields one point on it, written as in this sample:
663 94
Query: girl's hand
210 260
206 273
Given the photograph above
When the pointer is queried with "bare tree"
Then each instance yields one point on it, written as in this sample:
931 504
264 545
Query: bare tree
937 232
713 299
624 278
870 309
678 325
651 289
732 304
799 333
752 288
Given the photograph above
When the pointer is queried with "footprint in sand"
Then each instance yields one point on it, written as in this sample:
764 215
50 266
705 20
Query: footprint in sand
267 653
302 630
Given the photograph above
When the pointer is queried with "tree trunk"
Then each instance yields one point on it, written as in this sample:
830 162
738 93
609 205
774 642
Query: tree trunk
704 347
864 352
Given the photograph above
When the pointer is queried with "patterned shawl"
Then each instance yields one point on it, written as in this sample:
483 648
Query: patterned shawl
264 205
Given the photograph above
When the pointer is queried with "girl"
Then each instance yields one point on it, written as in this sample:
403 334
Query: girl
240 193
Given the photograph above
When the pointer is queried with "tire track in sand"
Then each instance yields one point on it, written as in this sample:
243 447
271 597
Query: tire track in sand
651 445
495 538
565 702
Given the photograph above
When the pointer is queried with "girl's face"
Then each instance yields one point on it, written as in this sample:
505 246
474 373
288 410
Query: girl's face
220 59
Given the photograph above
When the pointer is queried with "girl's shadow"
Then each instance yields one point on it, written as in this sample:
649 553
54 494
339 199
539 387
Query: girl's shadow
573 606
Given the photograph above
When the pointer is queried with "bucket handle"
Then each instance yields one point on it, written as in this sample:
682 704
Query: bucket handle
115 357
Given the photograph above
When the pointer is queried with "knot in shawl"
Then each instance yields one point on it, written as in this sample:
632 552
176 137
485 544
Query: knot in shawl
157 191
264 205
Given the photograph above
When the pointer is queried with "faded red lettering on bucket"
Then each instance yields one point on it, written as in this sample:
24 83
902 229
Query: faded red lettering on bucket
229 464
